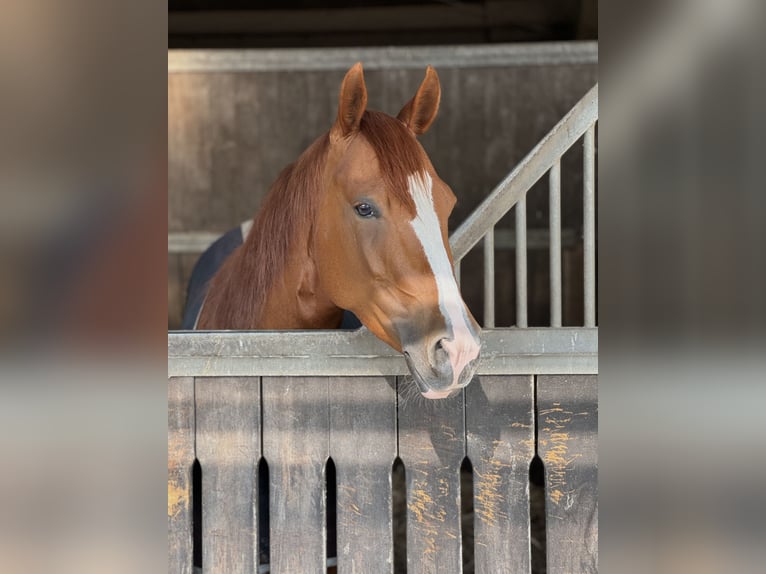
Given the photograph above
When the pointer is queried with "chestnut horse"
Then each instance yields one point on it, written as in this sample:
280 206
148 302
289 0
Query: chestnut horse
358 222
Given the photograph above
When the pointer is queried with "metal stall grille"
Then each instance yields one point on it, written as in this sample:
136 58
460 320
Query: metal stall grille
301 401
511 193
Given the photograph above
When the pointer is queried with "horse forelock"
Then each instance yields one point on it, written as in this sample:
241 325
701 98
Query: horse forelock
398 152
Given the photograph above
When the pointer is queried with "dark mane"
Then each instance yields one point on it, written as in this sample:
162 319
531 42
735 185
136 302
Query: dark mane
238 291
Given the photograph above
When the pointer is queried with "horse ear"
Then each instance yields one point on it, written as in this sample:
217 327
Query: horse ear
419 113
352 102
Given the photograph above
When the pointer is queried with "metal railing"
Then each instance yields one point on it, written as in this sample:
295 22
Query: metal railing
383 58
534 351
511 192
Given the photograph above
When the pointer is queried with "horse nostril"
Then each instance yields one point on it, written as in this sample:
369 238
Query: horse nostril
440 351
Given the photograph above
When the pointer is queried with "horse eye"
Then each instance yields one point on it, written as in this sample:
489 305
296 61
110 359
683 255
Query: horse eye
364 209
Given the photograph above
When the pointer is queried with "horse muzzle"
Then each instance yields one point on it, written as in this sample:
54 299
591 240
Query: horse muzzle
444 365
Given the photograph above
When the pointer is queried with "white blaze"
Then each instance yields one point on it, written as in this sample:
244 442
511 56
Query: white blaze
463 348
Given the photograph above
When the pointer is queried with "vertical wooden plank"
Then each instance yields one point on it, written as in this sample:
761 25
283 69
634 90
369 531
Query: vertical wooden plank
432 447
567 442
296 424
180 461
500 440
363 447
228 448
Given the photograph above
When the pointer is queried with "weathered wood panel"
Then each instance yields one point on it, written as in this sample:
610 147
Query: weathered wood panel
296 428
500 441
354 420
567 443
363 447
180 461
230 134
228 449
432 448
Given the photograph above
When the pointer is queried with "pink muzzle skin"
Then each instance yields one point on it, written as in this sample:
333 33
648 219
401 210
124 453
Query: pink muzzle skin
437 394
461 351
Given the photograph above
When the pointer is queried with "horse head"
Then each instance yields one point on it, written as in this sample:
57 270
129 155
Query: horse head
380 239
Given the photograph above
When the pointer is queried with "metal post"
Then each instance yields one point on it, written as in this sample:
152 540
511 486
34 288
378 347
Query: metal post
456 267
521 262
589 227
489 279
555 242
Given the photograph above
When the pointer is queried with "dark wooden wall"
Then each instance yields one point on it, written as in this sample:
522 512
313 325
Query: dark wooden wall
229 135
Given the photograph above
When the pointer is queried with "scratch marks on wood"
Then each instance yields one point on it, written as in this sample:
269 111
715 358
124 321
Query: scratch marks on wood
181 425
501 444
567 445
555 445
178 494
432 447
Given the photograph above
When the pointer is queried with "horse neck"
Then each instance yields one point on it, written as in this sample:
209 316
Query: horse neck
296 299
270 282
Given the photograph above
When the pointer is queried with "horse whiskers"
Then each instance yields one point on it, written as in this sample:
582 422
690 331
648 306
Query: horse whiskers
409 393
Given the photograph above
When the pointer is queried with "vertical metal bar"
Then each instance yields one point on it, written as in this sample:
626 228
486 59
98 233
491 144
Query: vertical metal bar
589 227
489 279
456 267
521 262
554 190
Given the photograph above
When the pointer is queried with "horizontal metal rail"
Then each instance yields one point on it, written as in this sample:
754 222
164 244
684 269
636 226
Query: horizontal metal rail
199 241
383 58
190 241
537 162
533 351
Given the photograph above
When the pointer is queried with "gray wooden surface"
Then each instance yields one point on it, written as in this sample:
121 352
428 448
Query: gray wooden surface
567 442
363 448
228 449
231 133
432 448
181 432
500 432
362 424
296 433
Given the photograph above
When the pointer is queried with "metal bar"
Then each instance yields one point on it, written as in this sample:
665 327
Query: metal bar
589 226
190 241
521 262
384 58
537 239
489 279
359 353
516 184
555 242
457 271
